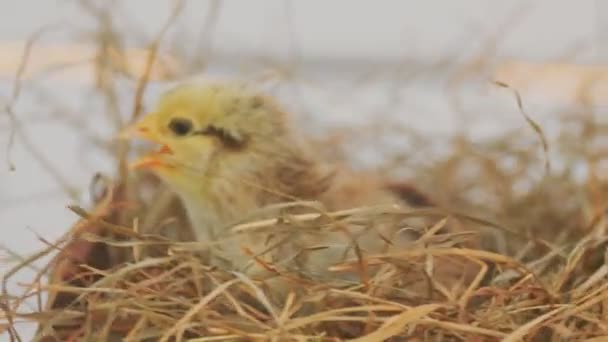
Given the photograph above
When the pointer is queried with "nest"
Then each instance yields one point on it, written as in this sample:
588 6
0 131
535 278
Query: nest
513 251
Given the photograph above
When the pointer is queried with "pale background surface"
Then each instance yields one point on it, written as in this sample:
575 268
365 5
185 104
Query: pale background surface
331 45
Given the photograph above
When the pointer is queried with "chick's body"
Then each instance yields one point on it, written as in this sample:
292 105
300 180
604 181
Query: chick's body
228 152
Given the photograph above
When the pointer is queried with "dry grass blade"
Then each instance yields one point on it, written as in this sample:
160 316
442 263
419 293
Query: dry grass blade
525 329
535 126
195 309
396 324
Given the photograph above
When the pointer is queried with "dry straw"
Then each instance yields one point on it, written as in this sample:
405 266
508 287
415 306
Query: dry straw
528 264
514 250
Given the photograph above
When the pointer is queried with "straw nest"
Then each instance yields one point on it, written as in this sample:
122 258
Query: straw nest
515 251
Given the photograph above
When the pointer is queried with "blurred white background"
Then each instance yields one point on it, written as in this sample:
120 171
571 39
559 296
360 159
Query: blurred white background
341 62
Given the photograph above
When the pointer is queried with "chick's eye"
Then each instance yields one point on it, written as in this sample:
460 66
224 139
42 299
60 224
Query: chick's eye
180 126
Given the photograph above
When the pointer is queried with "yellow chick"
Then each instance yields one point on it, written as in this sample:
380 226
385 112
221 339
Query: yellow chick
227 151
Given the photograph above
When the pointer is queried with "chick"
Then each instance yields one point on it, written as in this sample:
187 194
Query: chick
227 151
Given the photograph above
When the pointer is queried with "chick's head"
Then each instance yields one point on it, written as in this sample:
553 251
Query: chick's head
207 131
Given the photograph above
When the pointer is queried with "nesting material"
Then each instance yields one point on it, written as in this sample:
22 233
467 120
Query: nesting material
513 251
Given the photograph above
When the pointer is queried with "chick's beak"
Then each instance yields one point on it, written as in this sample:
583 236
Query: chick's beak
144 129
146 162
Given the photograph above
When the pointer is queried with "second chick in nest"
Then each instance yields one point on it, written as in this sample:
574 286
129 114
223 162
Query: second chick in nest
228 152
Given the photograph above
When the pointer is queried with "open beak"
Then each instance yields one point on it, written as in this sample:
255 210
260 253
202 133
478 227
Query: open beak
145 130
146 162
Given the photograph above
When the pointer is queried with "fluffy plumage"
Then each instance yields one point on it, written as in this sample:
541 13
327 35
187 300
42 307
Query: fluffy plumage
228 151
